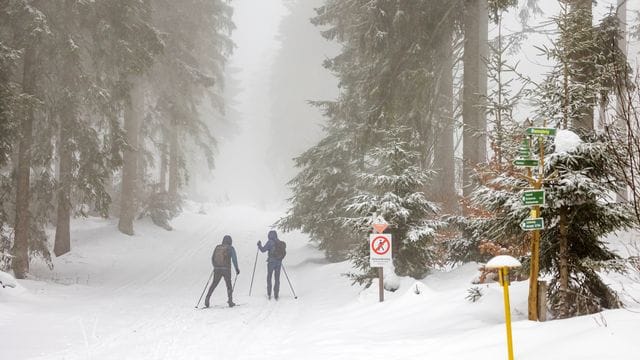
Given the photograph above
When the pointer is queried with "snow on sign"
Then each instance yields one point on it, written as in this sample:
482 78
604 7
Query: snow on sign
379 249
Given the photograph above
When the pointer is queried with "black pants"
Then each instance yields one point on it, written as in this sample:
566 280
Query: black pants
217 274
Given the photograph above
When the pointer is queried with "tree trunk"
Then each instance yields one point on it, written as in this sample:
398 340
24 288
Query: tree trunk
132 119
581 58
20 250
621 89
563 261
63 220
68 113
163 163
444 160
474 91
173 161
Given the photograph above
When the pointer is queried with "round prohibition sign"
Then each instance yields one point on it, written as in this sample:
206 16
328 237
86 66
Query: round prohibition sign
380 245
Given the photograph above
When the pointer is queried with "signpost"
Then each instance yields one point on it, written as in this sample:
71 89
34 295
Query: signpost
542 131
380 251
524 151
533 198
532 224
526 162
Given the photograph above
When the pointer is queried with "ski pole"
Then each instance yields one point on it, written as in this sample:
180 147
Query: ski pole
234 283
205 289
289 281
254 271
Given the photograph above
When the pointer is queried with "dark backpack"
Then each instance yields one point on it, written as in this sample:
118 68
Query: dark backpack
279 249
221 257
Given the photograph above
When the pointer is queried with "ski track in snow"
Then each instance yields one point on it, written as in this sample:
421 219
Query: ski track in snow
154 321
140 292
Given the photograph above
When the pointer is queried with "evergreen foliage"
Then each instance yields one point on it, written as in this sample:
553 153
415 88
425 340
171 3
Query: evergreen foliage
582 182
67 70
581 207
389 71
389 186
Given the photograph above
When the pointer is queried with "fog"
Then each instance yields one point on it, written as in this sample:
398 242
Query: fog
276 68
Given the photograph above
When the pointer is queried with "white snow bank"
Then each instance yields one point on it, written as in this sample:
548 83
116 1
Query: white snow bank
566 141
7 280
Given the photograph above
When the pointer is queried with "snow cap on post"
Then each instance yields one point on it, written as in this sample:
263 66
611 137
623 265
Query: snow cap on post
502 261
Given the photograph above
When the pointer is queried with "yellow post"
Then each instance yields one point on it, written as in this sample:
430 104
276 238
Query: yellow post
502 263
504 281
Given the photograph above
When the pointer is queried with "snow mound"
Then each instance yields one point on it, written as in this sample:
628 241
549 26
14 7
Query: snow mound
566 141
7 280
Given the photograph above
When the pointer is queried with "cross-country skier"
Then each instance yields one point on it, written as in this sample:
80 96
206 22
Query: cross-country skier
277 252
221 259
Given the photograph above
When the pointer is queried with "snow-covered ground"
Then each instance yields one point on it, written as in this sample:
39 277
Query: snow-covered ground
120 297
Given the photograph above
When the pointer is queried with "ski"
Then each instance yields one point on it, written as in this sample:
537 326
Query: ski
218 307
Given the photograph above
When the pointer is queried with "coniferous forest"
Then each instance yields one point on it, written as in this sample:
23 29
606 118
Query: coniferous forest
109 109
99 112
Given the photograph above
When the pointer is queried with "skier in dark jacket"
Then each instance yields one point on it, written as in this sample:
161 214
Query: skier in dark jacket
273 264
221 259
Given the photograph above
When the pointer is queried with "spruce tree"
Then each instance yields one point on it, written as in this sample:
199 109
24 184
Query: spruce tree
582 209
190 71
129 44
389 186
26 28
390 78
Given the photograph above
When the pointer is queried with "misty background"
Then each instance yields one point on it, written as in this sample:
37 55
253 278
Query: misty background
275 69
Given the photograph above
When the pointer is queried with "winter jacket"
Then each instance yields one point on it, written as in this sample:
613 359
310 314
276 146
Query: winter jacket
269 246
232 254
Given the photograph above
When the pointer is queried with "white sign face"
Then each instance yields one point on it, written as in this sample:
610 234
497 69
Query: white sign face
379 249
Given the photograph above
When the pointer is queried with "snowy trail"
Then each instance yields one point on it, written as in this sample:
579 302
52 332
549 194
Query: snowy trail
145 303
120 297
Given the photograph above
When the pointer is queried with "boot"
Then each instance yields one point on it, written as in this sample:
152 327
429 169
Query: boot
231 303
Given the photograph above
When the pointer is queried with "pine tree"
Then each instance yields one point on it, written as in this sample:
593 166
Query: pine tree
390 73
580 204
129 44
26 29
190 71
389 186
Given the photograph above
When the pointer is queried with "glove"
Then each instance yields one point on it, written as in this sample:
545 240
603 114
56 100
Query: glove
259 243
237 272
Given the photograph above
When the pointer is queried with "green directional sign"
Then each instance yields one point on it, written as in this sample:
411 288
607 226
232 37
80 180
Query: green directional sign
541 131
533 197
526 162
532 224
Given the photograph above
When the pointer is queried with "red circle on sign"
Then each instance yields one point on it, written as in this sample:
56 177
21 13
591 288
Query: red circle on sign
380 247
